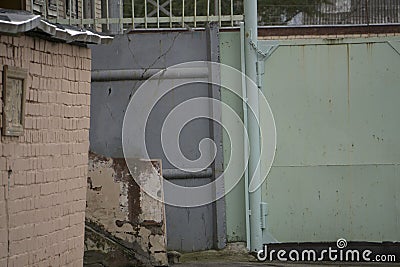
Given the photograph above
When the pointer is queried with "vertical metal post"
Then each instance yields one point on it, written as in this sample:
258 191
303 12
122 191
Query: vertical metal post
121 16
133 14
232 13
158 14
219 12
107 14
170 14
250 16
245 141
208 10
195 13
183 13
145 14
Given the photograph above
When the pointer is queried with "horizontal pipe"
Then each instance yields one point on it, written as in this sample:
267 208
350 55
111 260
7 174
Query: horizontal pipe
144 74
179 174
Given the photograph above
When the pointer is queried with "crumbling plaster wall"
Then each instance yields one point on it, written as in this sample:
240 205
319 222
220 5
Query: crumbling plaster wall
121 212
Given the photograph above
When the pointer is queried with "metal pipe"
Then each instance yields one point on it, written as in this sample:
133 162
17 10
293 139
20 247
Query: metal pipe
208 10
158 14
145 14
179 174
133 14
245 140
195 13
108 16
142 74
183 12
232 13
170 14
250 15
219 13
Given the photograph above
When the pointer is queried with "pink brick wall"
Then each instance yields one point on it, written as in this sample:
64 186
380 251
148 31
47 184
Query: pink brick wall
43 173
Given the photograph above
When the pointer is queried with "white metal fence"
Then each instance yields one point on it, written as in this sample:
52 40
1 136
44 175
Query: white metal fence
116 16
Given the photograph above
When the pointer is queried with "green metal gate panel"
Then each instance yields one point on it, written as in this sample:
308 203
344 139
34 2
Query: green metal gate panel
336 170
235 204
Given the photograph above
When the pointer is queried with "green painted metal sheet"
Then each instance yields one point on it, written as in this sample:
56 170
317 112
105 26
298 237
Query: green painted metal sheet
235 209
336 170
324 203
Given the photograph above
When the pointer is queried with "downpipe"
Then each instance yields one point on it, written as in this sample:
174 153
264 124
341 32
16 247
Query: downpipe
251 36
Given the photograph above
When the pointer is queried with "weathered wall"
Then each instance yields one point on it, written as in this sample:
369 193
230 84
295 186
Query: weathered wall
43 172
118 209
188 228
335 174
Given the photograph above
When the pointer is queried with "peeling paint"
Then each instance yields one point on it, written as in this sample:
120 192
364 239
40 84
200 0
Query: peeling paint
119 210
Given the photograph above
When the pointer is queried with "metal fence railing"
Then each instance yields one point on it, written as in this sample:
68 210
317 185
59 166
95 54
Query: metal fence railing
330 12
121 15
117 16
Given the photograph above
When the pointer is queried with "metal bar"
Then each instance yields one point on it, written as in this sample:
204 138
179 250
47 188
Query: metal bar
56 8
143 74
183 12
133 14
170 14
219 12
162 9
158 14
145 14
208 10
232 13
195 13
179 174
245 140
188 19
121 16
70 11
108 16
251 36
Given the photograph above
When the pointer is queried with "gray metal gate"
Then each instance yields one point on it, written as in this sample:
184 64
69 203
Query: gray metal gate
117 71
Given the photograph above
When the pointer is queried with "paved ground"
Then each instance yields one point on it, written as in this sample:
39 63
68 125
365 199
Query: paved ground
213 258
